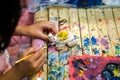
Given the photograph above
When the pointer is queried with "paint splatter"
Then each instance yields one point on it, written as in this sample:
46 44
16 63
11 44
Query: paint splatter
38 43
86 42
82 27
100 19
104 43
94 40
119 19
117 50
96 52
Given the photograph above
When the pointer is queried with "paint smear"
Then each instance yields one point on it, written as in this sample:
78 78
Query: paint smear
86 42
104 43
94 40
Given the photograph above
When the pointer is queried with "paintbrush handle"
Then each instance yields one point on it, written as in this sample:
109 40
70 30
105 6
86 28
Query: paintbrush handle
24 58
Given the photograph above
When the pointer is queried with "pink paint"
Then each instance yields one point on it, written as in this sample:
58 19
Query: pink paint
104 43
97 61
64 28
52 49
38 43
106 22
82 27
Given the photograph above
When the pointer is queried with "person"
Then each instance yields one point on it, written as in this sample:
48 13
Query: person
9 27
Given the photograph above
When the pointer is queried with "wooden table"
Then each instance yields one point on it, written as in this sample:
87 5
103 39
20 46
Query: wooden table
98 30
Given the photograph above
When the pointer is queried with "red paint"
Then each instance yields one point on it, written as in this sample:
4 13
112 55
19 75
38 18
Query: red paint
119 19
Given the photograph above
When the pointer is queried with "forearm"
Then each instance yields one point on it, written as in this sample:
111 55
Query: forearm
13 74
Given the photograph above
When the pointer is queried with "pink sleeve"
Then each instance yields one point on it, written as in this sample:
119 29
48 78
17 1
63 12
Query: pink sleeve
25 19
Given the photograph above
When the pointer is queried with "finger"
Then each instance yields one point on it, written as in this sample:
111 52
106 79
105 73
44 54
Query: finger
37 55
40 60
41 65
50 26
43 36
28 51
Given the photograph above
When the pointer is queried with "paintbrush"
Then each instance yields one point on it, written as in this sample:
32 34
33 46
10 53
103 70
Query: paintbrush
24 58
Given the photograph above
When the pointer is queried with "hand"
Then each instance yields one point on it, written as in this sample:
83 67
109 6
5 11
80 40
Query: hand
33 64
36 30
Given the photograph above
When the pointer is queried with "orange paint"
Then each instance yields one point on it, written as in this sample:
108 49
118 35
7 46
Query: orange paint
40 73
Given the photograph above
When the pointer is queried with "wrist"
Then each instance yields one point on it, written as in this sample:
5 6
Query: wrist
21 30
19 74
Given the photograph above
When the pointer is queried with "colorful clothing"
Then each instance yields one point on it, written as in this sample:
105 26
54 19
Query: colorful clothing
18 43
4 62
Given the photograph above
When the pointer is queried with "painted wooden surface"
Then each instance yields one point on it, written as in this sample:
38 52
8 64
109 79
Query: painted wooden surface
75 29
116 12
93 30
85 36
112 31
105 47
64 24
53 54
98 31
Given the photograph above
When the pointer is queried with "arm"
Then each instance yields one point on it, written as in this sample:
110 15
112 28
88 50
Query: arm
13 74
27 67
36 30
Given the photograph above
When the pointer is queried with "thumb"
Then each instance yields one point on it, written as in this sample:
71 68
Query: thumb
44 36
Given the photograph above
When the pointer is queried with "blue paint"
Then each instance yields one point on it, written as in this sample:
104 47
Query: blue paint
96 52
86 42
78 47
103 51
63 57
75 37
53 57
117 47
117 50
94 41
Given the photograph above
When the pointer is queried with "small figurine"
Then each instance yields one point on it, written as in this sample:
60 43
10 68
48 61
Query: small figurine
62 39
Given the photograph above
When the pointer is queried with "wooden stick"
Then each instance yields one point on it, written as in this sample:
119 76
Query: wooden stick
26 57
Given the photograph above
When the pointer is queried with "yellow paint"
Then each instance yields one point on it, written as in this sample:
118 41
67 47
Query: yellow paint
80 73
116 73
63 35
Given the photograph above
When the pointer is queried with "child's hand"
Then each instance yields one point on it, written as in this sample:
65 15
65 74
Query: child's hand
33 64
36 30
